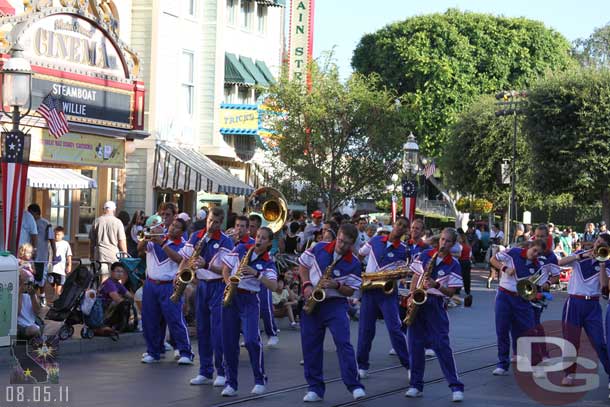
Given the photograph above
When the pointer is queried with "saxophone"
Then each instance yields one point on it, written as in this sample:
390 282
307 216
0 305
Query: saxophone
234 280
419 295
187 273
319 294
385 278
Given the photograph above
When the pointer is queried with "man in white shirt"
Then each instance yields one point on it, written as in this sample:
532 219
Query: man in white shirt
29 231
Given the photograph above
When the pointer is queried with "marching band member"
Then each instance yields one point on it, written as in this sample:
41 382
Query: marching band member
514 314
416 244
582 308
243 311
157 308
382 251
209 296
264 295
331 313
431 323
241 231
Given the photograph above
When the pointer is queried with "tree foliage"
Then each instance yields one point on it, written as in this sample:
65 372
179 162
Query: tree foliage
594 52
440 63
569 133
341 139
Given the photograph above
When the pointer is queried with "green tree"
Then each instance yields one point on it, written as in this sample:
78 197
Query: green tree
440 63
341 139
569 133
594 51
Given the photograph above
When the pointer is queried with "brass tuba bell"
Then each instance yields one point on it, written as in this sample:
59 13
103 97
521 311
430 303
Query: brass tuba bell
271 205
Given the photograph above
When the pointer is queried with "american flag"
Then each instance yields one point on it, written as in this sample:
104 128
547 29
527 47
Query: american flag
409 198
53 113
14 175
429 169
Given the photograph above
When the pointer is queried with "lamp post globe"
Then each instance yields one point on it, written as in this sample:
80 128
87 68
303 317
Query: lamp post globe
410 155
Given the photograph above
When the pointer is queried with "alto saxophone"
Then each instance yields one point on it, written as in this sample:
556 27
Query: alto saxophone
234 280
385 278
419 295
187 273
319 294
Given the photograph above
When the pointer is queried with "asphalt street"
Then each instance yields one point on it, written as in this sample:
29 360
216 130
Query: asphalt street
117 378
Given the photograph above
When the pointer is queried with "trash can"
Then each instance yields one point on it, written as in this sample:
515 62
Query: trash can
9 289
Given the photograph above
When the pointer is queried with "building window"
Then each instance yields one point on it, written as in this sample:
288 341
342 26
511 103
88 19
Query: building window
61 210
190 8
187 78
243 95
88 205
261 13
229 94
247 9
231 11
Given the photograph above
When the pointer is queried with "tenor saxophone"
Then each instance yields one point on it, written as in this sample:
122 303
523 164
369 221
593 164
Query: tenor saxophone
319 294
384 278
419 295
187 272
234 280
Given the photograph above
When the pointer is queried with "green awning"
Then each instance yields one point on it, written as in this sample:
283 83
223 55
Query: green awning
272 3
262 66
254 71
235 72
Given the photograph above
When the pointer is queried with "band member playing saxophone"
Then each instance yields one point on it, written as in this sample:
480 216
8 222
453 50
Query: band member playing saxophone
250 266
210 291
382 251
156 304
336 260
431 322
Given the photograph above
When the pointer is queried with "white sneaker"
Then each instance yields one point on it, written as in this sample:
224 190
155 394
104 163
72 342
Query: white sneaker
413 393
258 389
358 393
568 380
363 373
498 371
311 396
176 354
430 352
273 341
161 356
220 381
184 360
199 379
392 352
149 359
458 396
168 347
294 325
229 392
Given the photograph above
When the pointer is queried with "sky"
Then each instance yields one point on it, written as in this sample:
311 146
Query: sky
341 23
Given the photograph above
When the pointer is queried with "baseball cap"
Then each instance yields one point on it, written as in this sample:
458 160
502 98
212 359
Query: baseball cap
110 205
153 221
317 214
184 216
202 214
384 229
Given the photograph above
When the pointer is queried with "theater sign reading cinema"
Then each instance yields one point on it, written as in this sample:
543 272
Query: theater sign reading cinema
77 55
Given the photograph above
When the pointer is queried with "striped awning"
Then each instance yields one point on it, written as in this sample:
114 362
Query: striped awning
262 66
253 70
58 178
185 169
235 72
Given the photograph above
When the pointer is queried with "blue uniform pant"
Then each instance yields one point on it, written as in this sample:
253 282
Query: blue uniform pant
580 313
539 329
331 314
242 313
431 325
209 327
515 316
371 303
264 295
157 311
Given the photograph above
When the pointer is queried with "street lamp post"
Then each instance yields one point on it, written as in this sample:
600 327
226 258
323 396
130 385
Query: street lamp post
394 203
511 104
410 169
16 94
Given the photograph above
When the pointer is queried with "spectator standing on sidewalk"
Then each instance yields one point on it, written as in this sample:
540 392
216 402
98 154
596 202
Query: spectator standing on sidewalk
107 239
45 238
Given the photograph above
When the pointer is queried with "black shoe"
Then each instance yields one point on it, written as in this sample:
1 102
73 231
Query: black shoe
468 300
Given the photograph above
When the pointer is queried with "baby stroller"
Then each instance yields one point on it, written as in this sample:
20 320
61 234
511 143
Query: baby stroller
66 308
